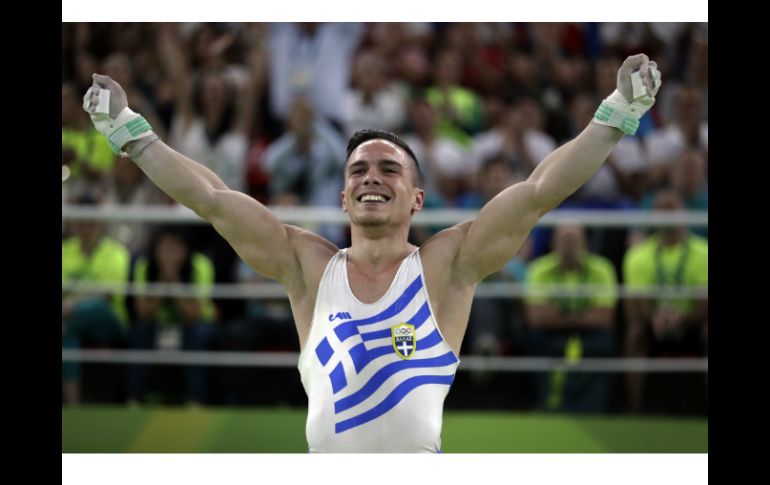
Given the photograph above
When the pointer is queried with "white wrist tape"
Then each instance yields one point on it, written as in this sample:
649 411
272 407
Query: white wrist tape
127 126
618 112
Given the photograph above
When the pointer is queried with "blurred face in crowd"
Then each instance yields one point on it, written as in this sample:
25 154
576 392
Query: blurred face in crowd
570 244
170 253
71 105
368 72
495 177
447 68
688 105
88 232
699 58
523 68
524 115
414 65
607 75
669 200
572 74
301 118
689 173
381 185
423 116
582 110
118 67
214 94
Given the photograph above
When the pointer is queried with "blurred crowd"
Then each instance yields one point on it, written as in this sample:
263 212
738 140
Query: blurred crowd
269 108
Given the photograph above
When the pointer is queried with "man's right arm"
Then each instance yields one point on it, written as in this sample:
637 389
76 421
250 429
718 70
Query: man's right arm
254 232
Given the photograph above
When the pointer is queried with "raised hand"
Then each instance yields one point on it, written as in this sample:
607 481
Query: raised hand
638 83
114 92
106 104
641 67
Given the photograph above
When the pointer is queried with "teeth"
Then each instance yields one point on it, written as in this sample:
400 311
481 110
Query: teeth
372 198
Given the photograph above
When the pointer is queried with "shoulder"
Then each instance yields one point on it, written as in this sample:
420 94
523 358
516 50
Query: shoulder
203 268
699 244
69 245
113 248
638 257
598 264
642 249
541 265
313 253
443 246
439 255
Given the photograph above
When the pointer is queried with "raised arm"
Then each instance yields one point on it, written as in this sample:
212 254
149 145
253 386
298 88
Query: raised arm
504 222
253 231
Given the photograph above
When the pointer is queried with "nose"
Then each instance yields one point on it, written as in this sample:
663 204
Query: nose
372 178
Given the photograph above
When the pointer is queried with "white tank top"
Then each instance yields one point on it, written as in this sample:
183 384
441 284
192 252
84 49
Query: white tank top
376 375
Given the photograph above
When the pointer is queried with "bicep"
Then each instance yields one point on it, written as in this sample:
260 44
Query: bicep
255 233
499 230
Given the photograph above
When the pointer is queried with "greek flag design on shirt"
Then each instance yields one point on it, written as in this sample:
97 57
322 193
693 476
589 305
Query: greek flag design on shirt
389 350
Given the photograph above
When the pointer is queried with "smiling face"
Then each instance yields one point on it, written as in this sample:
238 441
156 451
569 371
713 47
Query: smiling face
380 185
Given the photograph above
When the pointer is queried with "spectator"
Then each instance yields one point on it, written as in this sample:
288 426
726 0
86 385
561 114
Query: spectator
169 260
573 326
671 326
373 101
90 319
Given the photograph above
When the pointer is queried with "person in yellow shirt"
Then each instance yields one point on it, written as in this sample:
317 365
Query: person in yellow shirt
177 321
574 326
666 327
88 319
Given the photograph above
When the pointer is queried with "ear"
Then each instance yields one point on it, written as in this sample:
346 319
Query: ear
418 201
342 201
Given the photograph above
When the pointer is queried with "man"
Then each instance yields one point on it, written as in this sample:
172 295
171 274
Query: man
375 362
672 326
90 319
572 327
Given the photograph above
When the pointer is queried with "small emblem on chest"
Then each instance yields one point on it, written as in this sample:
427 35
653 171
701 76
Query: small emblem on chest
404 340
340 316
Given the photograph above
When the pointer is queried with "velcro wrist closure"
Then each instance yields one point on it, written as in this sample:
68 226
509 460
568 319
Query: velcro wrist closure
128 126
618 112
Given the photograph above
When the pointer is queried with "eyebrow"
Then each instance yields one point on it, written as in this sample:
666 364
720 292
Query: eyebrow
385 161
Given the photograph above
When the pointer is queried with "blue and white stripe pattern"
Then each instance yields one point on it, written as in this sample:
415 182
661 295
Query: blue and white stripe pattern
363 395
370 338
366 350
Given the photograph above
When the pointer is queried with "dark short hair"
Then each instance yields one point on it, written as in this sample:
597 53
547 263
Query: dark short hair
362 136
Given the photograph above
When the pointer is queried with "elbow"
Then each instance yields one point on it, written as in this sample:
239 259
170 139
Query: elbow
205 206
545 198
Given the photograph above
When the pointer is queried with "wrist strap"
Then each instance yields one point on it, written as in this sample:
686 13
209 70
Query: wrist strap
612 116
620 113
135 129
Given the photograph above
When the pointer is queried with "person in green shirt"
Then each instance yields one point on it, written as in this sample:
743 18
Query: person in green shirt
89 319
571 326
160 320
672 326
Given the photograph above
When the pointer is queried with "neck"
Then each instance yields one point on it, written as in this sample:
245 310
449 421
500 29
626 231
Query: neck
87 245
378 246
673 237
572 264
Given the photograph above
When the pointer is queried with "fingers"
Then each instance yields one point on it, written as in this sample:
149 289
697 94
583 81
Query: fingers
647 69
102 80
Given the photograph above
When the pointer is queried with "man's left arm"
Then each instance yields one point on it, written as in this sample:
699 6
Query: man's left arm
504 222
